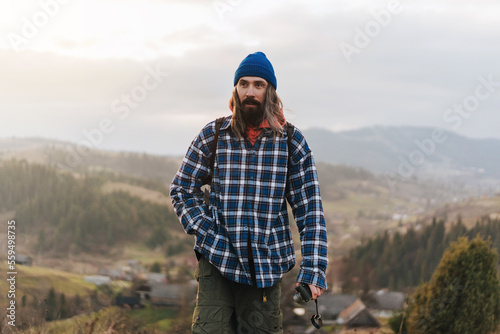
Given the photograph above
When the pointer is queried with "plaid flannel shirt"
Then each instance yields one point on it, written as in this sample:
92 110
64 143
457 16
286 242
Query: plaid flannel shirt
248 202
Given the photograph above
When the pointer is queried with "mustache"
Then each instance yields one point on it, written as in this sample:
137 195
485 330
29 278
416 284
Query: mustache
250 100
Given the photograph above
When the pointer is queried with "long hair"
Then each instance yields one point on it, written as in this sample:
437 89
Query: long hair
273 112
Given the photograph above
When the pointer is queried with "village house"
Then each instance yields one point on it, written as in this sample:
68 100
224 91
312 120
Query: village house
330 305
126 271
97 279
152 278
357 315
24 260
383 303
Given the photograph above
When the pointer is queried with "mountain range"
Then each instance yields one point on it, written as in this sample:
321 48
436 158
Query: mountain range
399 152
407 151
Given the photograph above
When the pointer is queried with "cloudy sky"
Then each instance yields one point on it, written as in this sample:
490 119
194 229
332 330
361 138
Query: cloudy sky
147 75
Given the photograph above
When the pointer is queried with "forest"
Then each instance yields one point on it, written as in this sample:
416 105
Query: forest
399 261
70 214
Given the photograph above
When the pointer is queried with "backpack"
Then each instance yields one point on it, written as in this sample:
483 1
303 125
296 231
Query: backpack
289 128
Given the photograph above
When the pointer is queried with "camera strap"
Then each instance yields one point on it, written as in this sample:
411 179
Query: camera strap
316 318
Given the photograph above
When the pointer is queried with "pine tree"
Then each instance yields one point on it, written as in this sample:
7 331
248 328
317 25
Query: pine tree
64 310
78 304
51 306
463 295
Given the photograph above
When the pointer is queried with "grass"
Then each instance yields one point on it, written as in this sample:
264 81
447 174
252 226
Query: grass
38 280
143 254
159 320
33 278
80 324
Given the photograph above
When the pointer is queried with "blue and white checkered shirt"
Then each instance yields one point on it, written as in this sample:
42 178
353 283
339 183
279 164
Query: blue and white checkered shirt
248 201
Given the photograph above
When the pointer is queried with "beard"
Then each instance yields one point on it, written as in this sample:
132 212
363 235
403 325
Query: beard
252 112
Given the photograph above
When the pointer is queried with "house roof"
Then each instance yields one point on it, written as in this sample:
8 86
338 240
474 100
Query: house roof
357 315
21 258
155 277
330 305
97 279
352 311
166 291
385 300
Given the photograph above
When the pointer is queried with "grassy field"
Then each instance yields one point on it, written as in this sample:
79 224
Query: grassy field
36 280
113 320
161 319
143 254
97 322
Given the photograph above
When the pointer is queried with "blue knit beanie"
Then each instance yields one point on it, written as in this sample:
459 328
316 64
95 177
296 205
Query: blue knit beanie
256 65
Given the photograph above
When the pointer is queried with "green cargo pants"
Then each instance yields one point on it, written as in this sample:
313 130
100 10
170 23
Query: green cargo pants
227 307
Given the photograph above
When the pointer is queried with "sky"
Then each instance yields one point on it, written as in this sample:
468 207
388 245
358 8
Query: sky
147 75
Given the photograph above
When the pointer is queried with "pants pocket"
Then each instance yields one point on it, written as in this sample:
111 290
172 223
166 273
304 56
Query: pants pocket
204 274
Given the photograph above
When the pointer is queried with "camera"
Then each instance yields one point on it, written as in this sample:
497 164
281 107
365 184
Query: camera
303 293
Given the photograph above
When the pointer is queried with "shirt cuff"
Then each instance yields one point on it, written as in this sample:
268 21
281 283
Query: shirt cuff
312 276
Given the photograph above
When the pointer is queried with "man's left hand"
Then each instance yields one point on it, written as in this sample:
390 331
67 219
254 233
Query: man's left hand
315 291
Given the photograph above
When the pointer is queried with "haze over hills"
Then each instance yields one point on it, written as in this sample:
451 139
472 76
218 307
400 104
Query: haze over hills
408 151
399 152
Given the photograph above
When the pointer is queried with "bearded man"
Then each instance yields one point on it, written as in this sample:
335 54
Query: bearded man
243 239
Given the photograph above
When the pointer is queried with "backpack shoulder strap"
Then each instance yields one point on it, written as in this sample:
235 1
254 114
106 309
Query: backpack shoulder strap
289 133
208 179
289 128
218 124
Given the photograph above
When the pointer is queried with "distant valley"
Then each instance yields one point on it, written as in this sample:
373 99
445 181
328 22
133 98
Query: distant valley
409 151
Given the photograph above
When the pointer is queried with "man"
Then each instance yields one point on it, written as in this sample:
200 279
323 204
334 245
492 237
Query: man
243 237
